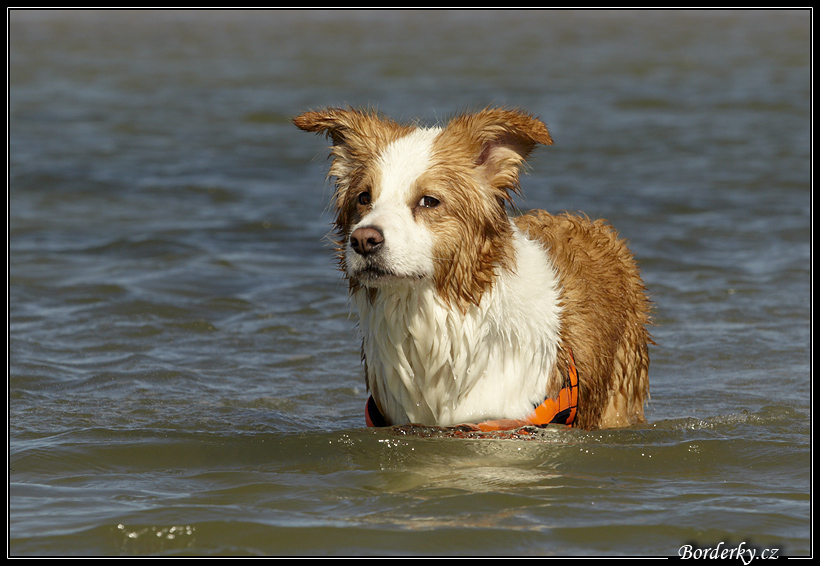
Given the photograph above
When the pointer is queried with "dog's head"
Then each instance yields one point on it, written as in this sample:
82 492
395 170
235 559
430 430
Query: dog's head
417 203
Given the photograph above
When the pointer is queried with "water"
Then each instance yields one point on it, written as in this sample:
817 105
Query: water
183 372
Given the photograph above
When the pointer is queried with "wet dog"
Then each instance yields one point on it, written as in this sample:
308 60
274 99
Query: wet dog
467 313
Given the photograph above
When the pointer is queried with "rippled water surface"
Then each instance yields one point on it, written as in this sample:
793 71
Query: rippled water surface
183 371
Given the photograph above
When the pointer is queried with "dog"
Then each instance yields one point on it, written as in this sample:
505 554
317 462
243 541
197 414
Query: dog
471 315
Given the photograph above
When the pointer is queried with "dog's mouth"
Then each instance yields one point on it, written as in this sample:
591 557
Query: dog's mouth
374 276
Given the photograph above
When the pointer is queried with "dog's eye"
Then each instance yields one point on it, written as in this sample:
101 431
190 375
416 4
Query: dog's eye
429 202
364 198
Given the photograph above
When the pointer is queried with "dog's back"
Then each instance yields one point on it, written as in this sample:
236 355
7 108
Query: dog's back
604 315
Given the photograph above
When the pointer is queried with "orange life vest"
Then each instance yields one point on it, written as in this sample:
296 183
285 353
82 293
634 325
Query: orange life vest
560 410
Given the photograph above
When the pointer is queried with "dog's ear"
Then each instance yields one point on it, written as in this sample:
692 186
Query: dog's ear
500 140
337 123
357 135
340 126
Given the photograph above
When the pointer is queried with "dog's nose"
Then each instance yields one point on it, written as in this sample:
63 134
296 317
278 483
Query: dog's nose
366 241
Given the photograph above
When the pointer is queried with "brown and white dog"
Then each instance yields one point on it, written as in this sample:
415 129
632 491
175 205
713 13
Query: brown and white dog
469 315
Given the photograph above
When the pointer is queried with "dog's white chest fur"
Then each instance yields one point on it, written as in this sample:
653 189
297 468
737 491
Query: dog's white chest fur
432 364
